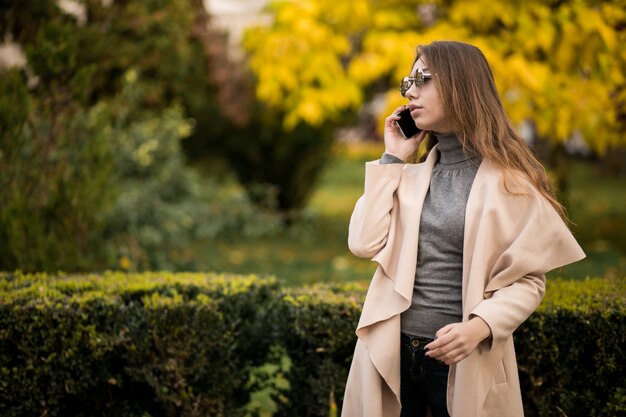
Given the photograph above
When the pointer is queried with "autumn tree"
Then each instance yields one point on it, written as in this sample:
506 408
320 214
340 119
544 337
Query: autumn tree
559 65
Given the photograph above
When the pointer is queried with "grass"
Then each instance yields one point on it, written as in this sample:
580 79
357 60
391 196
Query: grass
315 250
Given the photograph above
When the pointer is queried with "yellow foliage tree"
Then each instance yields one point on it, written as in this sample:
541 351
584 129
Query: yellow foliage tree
557 64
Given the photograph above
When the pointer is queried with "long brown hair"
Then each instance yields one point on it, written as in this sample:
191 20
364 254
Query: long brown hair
465 82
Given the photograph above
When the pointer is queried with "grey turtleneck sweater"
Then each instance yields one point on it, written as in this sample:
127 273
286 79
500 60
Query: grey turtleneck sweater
438 276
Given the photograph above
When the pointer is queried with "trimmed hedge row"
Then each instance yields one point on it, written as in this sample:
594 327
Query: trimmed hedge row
319 339
161 344
572 352
154 344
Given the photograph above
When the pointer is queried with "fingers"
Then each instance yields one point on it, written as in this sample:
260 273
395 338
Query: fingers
440 339
444 330
452 356
451 345
393 117
399 109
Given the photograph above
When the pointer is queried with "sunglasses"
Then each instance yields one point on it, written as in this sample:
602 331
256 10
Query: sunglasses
419 78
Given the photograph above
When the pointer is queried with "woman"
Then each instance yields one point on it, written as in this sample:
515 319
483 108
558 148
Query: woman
463 241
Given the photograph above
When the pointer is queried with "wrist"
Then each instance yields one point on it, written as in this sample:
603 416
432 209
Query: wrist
388 158
395 155
480 328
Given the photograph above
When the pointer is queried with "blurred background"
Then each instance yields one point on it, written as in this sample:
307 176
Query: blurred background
230 135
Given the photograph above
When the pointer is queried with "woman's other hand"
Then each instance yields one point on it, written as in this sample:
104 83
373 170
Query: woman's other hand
456 341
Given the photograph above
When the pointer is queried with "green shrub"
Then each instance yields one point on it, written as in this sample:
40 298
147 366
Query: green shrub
91 177
159 209
55 164
572 352
319 338
153 344
160 344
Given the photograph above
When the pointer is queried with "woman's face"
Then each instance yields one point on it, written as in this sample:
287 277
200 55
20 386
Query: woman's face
426 105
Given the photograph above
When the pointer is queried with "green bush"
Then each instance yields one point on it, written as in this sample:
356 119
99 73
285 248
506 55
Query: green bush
161 344
159 209
279 168
55 166
572 352
91 177
319 338
153 344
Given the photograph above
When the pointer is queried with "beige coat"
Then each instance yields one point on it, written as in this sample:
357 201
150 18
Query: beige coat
510 242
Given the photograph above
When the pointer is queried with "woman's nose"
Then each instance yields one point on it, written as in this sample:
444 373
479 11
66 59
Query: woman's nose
412 93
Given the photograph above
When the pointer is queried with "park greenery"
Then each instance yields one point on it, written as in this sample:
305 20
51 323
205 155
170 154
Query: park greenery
119 344
93 175
130 142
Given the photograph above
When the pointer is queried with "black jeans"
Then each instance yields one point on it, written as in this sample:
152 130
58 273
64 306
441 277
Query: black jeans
423 380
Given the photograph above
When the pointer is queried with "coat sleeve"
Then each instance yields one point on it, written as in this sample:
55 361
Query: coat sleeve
535 240
510 306
369 224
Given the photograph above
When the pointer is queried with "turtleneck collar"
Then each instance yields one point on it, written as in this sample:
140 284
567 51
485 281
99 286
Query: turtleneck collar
450 149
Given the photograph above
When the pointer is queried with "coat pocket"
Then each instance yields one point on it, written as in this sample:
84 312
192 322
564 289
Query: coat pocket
500 376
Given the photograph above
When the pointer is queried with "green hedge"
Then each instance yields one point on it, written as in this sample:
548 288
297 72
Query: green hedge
319 339
162 344
154 344
572 352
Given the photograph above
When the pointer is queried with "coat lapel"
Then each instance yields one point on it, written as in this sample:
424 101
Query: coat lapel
398 258
391 290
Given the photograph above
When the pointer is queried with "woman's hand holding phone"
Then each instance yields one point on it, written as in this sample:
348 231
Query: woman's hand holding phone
395 142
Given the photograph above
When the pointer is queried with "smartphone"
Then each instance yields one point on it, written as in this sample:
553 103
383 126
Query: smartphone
406 124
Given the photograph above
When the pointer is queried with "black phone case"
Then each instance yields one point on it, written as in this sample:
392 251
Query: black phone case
407 124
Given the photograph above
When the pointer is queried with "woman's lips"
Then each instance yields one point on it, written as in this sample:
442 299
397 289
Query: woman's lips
415 111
